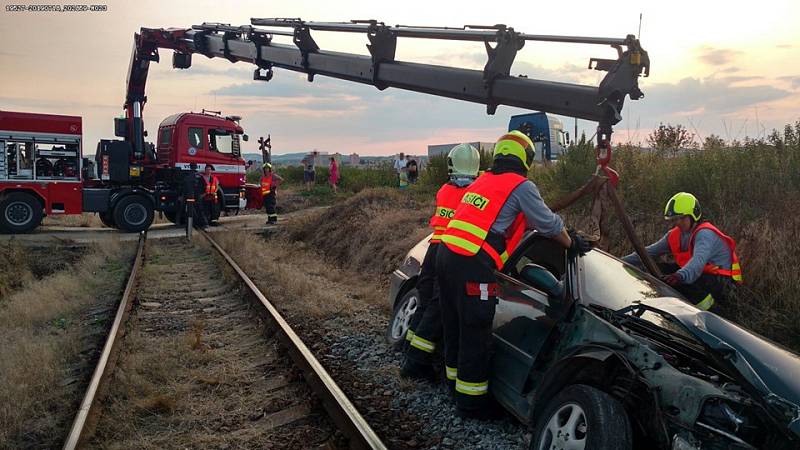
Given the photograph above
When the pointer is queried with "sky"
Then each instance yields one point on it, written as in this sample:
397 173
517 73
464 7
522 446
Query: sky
716 67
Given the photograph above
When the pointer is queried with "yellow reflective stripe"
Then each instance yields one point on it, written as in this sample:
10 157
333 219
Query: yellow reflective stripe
409 334
423 344
737 272
439 228
451 372
469 228
468 388
504 257
706 303
460 242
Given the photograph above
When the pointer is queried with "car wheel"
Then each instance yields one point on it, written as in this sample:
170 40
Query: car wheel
107 218
20 212
401 318
133 214
582 418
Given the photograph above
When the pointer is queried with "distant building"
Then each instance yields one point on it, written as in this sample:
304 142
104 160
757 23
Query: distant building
355 159
443 149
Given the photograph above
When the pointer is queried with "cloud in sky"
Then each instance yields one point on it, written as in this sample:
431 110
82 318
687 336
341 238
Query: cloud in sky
717 56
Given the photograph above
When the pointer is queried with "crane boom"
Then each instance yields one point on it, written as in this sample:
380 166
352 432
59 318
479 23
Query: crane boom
491 86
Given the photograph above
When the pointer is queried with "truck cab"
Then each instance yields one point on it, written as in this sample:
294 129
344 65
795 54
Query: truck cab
545 130
205 138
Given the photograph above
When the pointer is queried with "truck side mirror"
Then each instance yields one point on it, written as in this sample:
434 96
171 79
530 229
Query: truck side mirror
245 137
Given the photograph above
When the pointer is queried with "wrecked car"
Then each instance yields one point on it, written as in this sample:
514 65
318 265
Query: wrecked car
593 353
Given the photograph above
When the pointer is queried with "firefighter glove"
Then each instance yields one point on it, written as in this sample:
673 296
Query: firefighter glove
672 279
579 246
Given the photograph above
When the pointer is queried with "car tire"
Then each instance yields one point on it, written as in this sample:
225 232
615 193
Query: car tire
584 418
20 212
133 213
107 218
401 317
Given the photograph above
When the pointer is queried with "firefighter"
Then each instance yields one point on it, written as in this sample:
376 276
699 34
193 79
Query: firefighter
269 183
192 188
706 268
425 329
210 198
487 225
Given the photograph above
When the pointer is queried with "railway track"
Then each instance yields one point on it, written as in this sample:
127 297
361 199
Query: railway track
188 364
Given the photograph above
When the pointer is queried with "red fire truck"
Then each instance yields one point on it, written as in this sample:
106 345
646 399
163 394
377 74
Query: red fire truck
42 170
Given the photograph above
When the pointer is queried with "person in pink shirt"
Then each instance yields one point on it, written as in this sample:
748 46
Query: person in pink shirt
333 178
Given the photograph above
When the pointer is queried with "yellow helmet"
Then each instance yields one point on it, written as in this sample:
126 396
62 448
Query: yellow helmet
518 144
463 160
683 204
267 166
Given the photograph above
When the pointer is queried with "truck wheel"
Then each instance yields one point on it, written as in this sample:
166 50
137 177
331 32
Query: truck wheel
107 218
401 318
582 418
20 212
133 214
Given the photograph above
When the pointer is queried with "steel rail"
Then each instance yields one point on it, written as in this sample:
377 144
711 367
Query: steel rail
84 419
339 407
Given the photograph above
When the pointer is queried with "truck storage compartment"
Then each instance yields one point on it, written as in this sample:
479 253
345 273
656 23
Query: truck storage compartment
113 160
96 200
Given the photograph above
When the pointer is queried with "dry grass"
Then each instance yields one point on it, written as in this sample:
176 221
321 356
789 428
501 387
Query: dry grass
299 278
15 268
85 220
369 233
42 334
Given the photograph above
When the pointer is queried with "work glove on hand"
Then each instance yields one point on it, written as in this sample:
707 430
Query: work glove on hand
579 246
672 279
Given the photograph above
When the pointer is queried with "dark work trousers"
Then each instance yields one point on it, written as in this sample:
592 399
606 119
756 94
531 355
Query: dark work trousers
425 328
196 211
468 296
208 208
269 205
717 286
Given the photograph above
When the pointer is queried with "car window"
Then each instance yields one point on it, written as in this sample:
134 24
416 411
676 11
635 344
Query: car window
542 251
609 282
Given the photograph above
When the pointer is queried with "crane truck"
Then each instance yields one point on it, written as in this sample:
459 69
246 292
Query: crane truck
135 178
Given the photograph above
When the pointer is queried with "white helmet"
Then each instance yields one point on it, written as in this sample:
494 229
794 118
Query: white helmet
463 161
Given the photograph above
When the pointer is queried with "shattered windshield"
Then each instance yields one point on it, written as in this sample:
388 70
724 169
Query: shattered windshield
613 284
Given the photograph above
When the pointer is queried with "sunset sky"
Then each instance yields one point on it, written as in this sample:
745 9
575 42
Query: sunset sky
717 67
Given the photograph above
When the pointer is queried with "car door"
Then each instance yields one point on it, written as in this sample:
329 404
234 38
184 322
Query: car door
525 318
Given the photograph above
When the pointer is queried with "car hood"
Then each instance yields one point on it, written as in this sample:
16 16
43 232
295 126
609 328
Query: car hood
769 368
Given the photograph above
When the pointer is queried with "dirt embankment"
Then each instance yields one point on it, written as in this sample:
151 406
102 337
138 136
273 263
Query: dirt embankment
370 232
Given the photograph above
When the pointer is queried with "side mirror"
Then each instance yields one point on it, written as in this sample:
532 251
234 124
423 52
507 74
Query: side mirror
245 137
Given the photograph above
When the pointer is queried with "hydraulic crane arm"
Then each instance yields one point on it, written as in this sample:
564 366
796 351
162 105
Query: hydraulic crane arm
492 86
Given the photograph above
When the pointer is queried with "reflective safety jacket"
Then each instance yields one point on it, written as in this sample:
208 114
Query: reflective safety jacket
447 199
266 184
212 185
682 257
468 230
